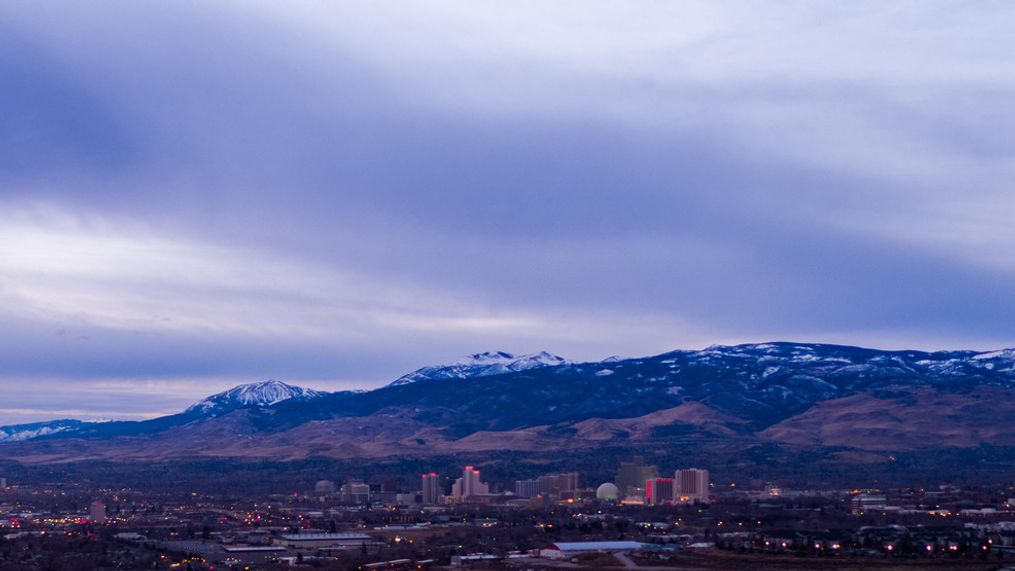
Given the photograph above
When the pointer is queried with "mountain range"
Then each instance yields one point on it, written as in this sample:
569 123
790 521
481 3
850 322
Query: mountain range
800 395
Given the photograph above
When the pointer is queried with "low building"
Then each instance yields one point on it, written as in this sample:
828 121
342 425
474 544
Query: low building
400 564
320 540
868 502
568 549
253 549
464 560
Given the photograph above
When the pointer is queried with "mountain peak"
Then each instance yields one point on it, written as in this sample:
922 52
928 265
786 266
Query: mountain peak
262 393
482 365
486 357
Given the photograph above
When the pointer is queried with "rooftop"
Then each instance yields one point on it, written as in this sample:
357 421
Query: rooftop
323 536
595 545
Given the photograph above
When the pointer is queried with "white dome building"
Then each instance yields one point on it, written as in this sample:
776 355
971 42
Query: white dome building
608 491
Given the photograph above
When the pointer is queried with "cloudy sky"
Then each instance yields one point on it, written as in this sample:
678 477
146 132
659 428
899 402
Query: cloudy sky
196 194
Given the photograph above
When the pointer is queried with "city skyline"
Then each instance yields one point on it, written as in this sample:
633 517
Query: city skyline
382 519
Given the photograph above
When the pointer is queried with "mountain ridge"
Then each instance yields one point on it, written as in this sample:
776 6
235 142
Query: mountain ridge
780 392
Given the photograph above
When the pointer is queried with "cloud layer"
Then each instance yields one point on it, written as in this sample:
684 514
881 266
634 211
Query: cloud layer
334 194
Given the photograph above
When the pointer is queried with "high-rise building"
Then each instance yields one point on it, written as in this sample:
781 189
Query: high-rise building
692 485
355 492
659 491
527 488
562 484
97 511
469 484
631 476
3 483
431 489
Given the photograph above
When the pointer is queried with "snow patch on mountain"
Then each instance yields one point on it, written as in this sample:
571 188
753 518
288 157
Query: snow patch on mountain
483 365
1003 354
21 432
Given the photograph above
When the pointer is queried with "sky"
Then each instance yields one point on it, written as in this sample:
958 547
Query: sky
195 195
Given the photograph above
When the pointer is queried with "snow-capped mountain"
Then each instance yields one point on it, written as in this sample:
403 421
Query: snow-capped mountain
262 394
20 432
483 365
799 393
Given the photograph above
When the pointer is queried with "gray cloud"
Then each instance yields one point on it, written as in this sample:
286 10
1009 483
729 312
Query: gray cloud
337 194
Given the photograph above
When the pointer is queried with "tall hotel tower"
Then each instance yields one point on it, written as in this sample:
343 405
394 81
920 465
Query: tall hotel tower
431 489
